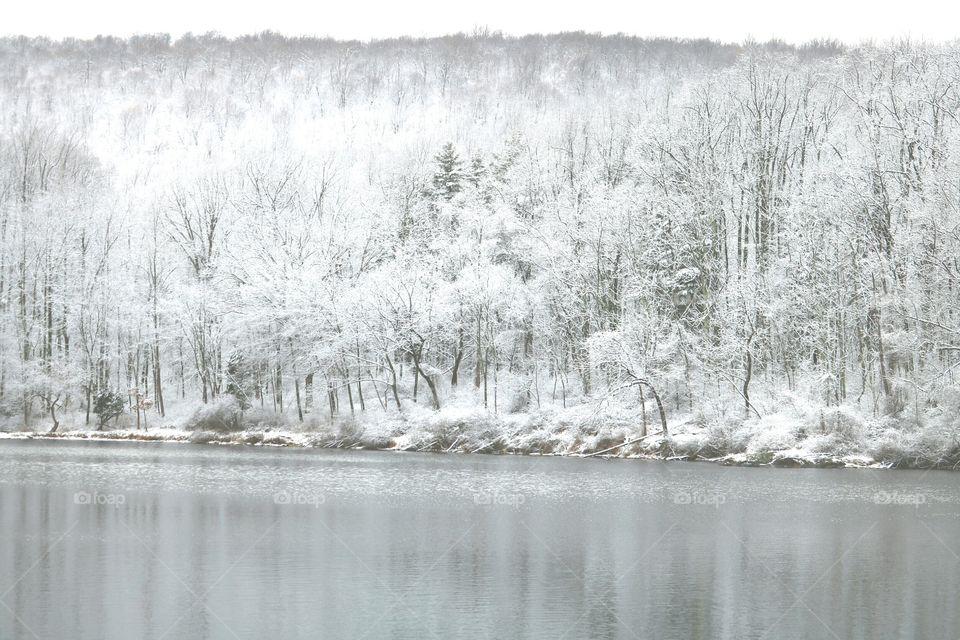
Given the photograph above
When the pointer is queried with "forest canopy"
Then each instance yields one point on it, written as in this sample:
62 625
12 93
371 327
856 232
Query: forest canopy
328 227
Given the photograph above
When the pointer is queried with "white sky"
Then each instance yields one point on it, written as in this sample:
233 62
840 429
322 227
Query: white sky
728 20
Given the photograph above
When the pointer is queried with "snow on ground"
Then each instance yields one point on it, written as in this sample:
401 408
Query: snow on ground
796 436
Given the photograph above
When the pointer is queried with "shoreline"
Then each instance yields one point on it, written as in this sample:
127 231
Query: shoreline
661 449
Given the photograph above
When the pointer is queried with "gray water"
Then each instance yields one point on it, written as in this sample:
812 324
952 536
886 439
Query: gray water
169 541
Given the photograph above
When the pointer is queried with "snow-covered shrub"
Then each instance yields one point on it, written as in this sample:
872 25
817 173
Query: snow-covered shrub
773 433
268 419
222 416
896 402
537 441
722 437
455 426
948 406
842 422
918 448
277 439
11 406
514 392
892 449
831 444
685 446
206 437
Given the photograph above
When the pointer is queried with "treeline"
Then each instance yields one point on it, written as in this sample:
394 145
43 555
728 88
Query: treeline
318 226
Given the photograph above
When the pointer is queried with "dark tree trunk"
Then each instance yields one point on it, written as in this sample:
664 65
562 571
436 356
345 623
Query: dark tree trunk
296 390
660 410
457 359
430 383
53 416
393 381
308 391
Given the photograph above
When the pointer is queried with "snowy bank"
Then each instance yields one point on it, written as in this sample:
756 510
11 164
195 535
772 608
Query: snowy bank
834 437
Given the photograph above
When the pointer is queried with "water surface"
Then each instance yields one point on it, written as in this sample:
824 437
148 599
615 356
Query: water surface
175 541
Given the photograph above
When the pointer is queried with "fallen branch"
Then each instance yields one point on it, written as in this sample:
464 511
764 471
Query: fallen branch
623 444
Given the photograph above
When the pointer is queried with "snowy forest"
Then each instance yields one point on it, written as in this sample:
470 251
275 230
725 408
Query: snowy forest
654 234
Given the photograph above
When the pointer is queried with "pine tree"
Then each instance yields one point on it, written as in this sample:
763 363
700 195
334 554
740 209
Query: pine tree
107 405
448 180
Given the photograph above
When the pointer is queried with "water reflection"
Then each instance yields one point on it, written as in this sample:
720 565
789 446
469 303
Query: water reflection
208 542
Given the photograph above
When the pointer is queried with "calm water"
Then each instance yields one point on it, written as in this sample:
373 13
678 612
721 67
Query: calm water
136 540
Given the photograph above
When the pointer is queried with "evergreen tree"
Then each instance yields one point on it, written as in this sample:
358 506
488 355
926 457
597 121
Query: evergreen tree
448 180
107 405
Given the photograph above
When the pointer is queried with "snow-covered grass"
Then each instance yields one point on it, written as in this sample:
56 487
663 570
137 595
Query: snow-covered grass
797 435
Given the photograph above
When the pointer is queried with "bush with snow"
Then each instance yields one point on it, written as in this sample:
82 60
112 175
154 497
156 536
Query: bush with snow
221 416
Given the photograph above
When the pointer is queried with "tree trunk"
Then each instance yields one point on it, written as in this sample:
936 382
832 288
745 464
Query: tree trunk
308 391
363 406
350 395
278 387
419 373
416 378
747 375
643 411
656 397
393 381
157 379
458 357
53 416
296 389
330 401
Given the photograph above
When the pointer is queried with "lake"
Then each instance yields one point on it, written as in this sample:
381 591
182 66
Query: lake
105 540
